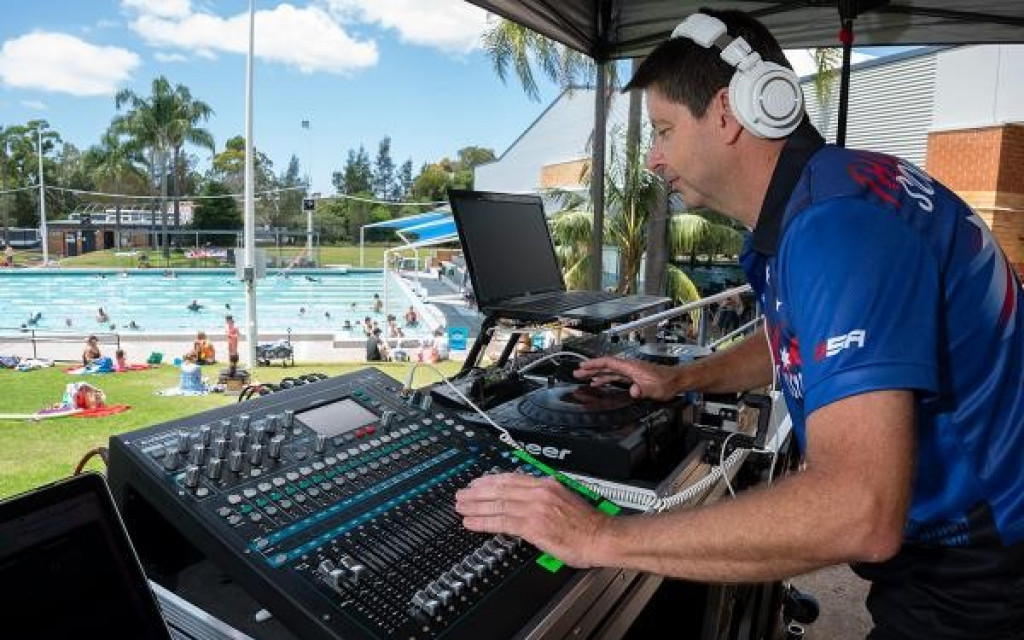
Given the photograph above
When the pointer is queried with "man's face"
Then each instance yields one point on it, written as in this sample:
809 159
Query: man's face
683 149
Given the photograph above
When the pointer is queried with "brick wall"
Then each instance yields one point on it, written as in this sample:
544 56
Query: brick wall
563 174
985 167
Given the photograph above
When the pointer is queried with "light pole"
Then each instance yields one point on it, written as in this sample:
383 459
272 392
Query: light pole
309 210
42 197
249 266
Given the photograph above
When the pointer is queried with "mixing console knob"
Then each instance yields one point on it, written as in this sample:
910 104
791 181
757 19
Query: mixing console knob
321 443
289 419
426 402
243 422
238 440
225 427
183 442
422 601
471 565
274 447
257 434
256 455
505 541
197 454
454 584
464 573
415 398
443 595
387 418
272 424
220 448
494 549
355 569
213 469
192 476
483 557
235 461
204 435
170 458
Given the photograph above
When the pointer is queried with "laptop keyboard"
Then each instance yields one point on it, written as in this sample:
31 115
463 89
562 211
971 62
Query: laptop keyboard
563 300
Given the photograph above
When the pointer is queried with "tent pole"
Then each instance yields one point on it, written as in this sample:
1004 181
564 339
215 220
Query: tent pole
846 37
597 177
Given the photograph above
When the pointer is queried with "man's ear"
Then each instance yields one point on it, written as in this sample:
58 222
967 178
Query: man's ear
721 109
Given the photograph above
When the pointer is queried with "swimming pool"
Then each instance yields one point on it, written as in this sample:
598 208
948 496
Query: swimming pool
158 304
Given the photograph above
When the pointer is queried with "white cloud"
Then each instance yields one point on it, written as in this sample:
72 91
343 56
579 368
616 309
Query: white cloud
308 38
803 60
35 105
450 25
160 8
169 57
62 63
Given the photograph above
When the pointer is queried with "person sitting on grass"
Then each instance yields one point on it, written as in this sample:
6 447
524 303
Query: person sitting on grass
92 351
202 350
120 364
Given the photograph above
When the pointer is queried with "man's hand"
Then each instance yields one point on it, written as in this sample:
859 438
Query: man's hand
646 380
541 511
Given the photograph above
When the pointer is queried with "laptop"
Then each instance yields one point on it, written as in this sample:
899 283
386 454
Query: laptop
68 568
513 266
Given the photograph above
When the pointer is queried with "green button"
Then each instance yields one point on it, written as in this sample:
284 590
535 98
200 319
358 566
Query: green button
317 477
276 496
331 473
261 502
305 483
549 562
290 490
244 509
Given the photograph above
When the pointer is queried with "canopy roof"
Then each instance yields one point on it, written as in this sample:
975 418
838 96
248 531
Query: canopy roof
399 224
615 29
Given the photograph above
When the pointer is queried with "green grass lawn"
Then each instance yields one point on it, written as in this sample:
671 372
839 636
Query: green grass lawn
346 254
34 453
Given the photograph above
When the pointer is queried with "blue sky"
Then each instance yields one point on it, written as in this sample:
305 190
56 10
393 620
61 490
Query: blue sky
381 67
358 70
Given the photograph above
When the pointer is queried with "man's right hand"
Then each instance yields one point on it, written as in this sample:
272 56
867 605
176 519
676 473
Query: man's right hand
646 380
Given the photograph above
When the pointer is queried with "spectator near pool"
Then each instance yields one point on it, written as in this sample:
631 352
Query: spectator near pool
202 350
411 319
232 332
194 306
92 350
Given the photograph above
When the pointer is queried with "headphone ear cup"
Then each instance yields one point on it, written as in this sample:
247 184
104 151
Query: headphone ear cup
767 99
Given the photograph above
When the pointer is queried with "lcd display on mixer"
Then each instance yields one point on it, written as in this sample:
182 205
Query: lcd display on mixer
337 418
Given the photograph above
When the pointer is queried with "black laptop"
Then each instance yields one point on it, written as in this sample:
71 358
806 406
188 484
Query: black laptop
68 568
513 266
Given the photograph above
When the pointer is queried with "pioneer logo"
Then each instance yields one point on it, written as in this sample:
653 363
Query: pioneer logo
548 452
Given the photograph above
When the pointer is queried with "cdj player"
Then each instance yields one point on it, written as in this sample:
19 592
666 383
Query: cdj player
332 505
599 431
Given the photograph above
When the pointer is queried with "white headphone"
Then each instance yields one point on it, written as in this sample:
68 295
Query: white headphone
765 97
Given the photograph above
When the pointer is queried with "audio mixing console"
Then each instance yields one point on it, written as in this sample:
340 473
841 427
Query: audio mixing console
332 504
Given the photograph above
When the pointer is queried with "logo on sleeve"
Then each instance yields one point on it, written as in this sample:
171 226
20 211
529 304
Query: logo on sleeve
832 346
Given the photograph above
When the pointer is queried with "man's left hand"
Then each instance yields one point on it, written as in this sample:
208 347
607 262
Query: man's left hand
541 511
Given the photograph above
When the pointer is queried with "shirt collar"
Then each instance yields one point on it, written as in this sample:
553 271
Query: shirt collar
800 146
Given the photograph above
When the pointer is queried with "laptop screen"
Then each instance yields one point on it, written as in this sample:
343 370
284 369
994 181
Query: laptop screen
70 569
507 244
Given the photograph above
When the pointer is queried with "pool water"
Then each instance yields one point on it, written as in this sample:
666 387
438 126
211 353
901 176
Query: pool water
158 304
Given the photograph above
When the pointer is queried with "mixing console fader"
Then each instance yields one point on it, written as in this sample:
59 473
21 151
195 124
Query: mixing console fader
332 504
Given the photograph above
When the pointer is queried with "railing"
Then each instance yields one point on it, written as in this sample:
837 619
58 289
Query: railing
50 336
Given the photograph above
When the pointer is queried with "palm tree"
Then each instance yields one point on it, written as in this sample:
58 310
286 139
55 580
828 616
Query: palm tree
162 123
510 44
115 168
189 113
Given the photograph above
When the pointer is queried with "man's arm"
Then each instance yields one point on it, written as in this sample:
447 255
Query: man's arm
848 505
743 366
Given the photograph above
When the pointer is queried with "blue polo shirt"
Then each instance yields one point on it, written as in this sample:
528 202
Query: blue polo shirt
874 276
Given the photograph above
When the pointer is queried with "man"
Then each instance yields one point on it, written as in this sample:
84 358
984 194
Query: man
895 329
376 351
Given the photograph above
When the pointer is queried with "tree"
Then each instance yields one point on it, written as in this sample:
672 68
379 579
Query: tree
472 157
162 123
115 168
509 44
189 112
403 182
384 171
432 183
229 166
357 176
217 212
19 145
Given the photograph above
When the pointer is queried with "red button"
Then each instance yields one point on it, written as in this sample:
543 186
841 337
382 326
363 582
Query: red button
360 432
370 429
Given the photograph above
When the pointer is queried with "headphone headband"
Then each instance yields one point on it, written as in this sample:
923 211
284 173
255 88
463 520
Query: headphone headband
766 97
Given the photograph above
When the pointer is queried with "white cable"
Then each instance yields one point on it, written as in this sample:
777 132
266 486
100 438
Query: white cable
19 189
505 436
721 462
699 487
551 356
